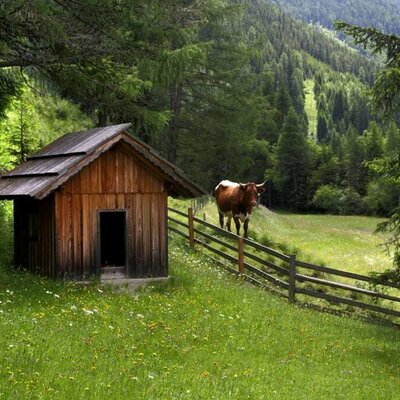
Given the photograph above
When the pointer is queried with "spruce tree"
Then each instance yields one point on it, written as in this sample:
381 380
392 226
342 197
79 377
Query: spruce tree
22 143
386 98
373 138
283 102
356 172
322 129
294 164
392 147
339 106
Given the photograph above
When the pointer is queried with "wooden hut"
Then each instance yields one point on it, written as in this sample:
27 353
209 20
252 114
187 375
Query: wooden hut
94 201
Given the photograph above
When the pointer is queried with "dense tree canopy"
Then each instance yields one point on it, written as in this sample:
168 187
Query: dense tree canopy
223 88
386 90
386 97
382 15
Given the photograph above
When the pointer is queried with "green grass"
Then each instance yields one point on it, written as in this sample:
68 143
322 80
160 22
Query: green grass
204 335
341 242
310 106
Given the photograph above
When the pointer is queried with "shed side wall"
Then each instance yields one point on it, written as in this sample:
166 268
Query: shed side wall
35 250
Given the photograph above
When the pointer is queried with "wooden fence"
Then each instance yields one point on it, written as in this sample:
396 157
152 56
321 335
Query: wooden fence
199 202
290 277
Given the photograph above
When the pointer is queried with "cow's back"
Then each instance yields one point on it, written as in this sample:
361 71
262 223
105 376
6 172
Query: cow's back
225 194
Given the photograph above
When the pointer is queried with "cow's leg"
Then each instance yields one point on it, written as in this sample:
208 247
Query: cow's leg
221 220
228 223
246 226
237 223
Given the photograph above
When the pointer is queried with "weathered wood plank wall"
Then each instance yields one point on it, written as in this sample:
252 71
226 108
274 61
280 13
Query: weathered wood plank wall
114 181
34 235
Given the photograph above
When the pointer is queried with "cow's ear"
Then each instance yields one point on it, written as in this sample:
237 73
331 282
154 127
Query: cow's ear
242 186
260 190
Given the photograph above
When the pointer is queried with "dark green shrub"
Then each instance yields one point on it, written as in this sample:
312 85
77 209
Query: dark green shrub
327 198
351 203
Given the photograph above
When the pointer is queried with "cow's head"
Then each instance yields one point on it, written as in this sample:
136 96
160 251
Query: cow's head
251 193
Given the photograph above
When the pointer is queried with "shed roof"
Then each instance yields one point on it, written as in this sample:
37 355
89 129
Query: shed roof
53 165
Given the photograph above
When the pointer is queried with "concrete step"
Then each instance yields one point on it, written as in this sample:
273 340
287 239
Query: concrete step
110 273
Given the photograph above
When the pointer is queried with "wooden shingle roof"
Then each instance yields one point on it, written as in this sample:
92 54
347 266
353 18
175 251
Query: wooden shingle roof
53 165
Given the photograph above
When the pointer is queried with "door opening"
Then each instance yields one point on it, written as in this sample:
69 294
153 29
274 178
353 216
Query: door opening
112 238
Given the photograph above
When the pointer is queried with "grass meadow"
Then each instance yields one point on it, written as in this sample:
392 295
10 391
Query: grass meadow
202 335
341 242
310 107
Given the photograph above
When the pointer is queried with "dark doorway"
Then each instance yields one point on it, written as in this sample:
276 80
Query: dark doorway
112 238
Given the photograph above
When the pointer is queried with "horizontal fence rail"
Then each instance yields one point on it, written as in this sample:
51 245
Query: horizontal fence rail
345 274
264 266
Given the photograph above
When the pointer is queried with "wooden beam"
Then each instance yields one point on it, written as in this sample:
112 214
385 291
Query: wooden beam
241 255
191 227
292 279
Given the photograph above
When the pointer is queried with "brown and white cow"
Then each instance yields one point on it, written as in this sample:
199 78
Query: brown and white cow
236 200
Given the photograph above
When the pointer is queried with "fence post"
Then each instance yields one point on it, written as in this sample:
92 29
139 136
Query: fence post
191 227
241 255
292 278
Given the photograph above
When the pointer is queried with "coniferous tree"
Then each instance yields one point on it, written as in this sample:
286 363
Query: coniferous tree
359 113
294 164
322 130
373 138
392 147
22 142
283 102
339 106
10 87
386 98
356 172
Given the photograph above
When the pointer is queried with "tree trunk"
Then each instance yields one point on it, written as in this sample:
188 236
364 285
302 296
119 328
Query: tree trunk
102 118
172 140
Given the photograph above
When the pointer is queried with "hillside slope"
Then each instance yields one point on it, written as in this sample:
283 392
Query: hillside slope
203 335
340 242
383 15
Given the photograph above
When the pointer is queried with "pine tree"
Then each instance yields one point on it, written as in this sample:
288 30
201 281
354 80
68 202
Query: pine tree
386 98
294 164
22 143
359 114
373 142
283 102
339 106
392 147
322 130
356 172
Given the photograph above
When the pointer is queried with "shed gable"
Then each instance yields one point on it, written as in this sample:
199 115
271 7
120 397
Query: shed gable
53 166
115 171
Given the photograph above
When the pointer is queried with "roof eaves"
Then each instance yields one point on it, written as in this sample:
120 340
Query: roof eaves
174 173
46 156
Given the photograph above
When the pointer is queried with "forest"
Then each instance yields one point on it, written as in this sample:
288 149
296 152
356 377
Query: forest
382 15
225 89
